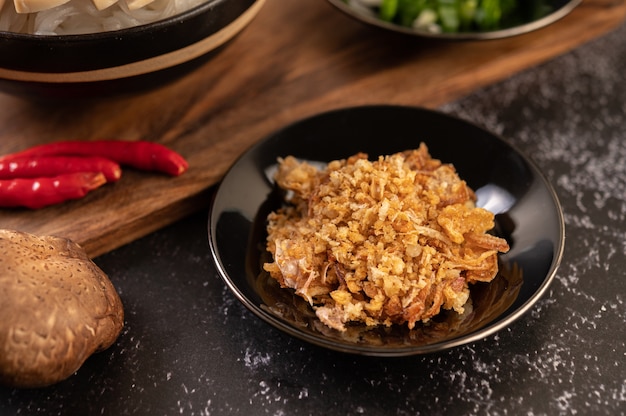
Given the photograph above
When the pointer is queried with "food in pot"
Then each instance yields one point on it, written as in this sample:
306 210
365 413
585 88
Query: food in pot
71 17
383 242
452 16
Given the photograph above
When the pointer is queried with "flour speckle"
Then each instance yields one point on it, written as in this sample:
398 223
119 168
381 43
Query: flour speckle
253 359
303 394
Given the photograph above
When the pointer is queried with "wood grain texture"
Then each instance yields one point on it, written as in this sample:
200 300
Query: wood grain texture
296 58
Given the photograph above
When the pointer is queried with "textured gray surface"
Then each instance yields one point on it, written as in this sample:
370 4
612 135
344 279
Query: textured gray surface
189 347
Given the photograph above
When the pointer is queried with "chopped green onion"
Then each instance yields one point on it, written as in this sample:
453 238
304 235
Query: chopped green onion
458 15
388 10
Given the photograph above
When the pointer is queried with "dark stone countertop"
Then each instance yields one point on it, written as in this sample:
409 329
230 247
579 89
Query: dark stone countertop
189 347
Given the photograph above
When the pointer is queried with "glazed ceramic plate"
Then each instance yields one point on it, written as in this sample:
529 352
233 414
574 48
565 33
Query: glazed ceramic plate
526 23
528 216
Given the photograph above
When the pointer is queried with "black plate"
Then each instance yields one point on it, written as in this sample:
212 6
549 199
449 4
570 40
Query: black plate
560 8
527 212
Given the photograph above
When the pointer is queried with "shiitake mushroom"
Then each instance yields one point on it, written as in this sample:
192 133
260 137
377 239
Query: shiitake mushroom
57 308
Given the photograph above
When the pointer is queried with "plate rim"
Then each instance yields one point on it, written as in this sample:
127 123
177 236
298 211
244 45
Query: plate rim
474 336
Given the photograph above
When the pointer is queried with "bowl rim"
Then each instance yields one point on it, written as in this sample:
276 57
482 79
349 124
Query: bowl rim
164 58
112 33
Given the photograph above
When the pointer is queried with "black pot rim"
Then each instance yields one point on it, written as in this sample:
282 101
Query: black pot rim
125 52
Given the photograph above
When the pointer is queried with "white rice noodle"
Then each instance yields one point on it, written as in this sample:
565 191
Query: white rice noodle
10 20
137 4
82 16
34 6
103 4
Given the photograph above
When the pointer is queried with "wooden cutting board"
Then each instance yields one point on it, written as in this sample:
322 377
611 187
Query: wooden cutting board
295 59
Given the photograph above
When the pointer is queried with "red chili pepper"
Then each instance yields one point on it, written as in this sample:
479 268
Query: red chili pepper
40 192
142 155
55 165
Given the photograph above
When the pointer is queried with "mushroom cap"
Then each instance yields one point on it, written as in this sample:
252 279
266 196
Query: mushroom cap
58 308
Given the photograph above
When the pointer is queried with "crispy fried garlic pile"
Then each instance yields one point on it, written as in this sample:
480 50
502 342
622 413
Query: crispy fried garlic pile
391 241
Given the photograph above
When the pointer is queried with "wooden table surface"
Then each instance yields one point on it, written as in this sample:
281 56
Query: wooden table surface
297 58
